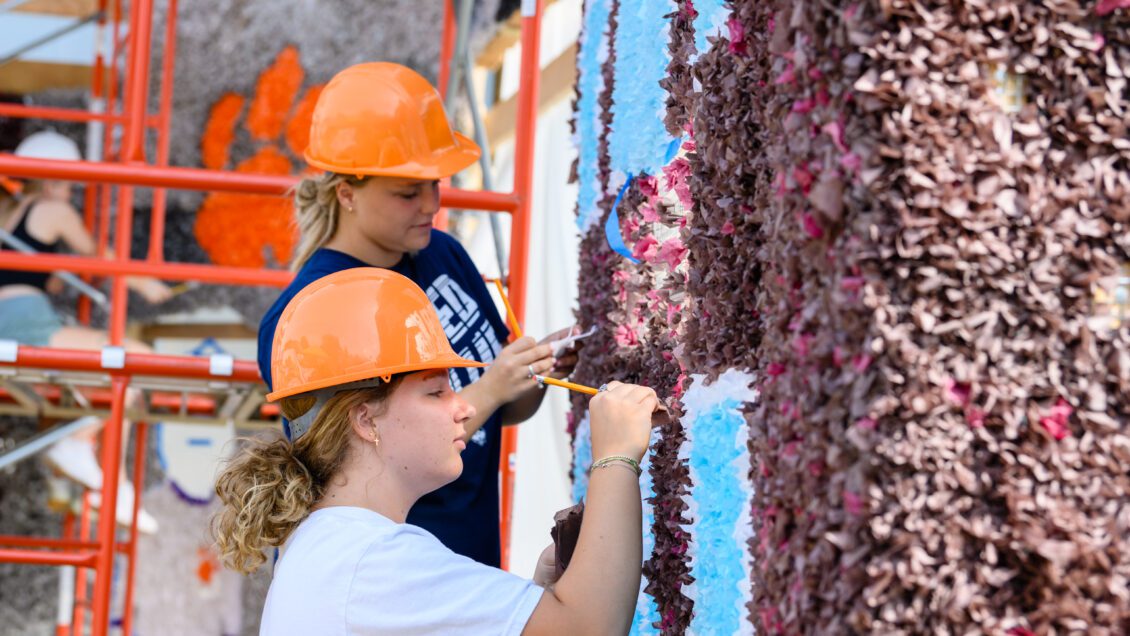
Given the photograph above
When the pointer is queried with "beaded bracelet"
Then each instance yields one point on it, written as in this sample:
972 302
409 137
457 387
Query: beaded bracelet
608 461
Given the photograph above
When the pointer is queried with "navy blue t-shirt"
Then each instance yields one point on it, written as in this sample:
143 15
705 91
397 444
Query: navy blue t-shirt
463 514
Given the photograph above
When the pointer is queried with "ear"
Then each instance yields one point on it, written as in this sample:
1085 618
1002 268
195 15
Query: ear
361 421
346 195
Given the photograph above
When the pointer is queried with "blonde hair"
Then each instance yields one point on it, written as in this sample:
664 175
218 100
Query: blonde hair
316 213
8 204
271 486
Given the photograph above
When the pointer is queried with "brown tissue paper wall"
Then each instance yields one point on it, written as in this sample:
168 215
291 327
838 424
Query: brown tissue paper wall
900 212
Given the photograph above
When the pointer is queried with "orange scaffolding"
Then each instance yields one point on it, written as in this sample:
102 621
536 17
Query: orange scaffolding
125 168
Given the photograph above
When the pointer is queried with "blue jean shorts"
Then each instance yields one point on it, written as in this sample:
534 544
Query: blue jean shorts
29 320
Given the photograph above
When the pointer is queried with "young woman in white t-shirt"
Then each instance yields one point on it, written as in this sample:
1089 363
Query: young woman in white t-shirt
360 365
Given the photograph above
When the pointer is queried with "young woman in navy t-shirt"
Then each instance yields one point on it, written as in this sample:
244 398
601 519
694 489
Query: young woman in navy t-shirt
380 134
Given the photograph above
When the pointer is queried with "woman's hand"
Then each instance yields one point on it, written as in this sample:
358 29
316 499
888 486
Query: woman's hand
621 420
545 572
508 377
567 360
55 285
152 290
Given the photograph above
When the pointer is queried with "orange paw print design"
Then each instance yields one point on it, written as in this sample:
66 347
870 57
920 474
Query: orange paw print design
237 229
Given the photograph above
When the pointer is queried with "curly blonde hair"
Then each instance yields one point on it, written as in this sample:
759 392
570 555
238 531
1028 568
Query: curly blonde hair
316 213
271 486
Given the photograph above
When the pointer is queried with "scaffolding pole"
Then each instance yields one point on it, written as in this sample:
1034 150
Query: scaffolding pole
93 548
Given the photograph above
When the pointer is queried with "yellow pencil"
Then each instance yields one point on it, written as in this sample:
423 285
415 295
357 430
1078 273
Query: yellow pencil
510 317
579 388
181 288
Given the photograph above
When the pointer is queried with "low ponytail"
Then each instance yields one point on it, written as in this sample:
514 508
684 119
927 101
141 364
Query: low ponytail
271 486
266 493
316 213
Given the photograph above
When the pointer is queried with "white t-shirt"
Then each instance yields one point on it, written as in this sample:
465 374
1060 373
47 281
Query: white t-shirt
353 571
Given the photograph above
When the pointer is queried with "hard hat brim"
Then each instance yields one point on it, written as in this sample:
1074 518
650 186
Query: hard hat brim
444 362
439 165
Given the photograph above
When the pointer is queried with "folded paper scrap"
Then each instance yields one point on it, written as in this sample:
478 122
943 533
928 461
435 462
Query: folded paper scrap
559 346
566 530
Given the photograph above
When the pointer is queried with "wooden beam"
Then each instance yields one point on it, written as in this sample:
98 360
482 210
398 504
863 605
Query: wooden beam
557 81
508 34
21 77
77 8
21 394
151 332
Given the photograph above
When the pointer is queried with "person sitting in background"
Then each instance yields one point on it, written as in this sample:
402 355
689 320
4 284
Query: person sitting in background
40 215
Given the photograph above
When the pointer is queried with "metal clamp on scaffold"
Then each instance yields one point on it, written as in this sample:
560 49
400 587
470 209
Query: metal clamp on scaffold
9 350
221 364
113 357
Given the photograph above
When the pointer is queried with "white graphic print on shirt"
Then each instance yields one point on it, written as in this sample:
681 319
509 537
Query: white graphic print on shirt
480 437
470 333
457 311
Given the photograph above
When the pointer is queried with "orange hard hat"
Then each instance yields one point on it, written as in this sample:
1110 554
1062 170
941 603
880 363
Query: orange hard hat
357 324
385 119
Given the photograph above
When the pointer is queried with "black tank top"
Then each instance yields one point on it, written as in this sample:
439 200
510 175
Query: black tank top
17 277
